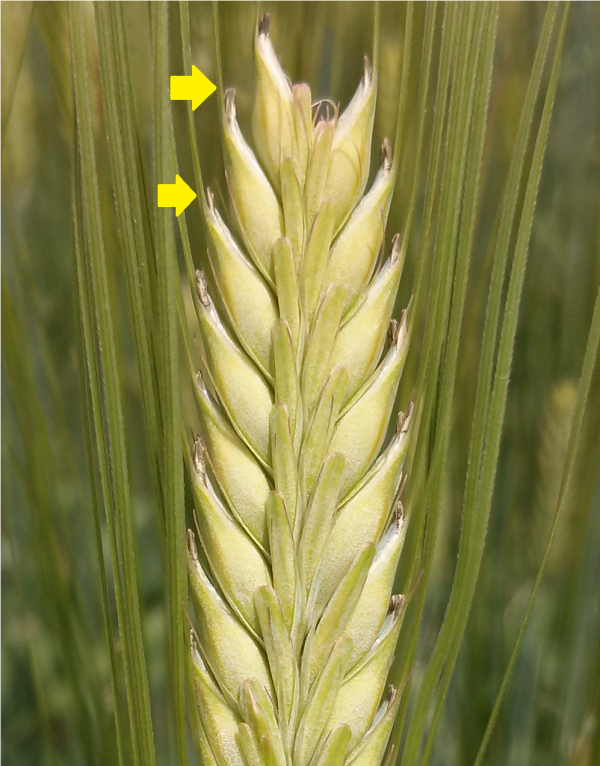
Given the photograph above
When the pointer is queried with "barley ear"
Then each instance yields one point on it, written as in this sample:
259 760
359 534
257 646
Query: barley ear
296 491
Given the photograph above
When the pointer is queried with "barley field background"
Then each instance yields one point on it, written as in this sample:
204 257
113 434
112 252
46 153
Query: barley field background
98 325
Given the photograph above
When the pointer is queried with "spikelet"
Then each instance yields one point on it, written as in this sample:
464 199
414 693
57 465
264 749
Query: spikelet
296 493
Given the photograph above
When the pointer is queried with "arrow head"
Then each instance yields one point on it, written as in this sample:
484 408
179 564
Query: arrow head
202 87
183 195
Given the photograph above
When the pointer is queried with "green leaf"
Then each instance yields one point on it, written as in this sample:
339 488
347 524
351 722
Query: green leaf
167 279
480 479
109 434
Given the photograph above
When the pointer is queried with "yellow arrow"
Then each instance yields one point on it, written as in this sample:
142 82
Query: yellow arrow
177 195
196 88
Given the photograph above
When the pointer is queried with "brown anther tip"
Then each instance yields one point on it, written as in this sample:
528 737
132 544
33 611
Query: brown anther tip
396 604
399 514
191 543
404 421
202 288
198 457
229 104
263 25
392 692
201 384
367 72
385 156
393 332
395 249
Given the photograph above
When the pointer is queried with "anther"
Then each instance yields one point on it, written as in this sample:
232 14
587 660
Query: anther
404 420
202 288
399 514
229 104
367 72
210 200
385 156
395 251
263 25
191 543
396 604
392 332
199 463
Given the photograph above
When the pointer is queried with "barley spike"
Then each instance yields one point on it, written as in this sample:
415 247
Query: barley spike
300 526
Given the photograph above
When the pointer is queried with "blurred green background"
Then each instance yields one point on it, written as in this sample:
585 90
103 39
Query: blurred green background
56 689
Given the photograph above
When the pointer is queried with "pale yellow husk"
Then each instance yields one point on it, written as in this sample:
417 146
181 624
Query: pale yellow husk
298 518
